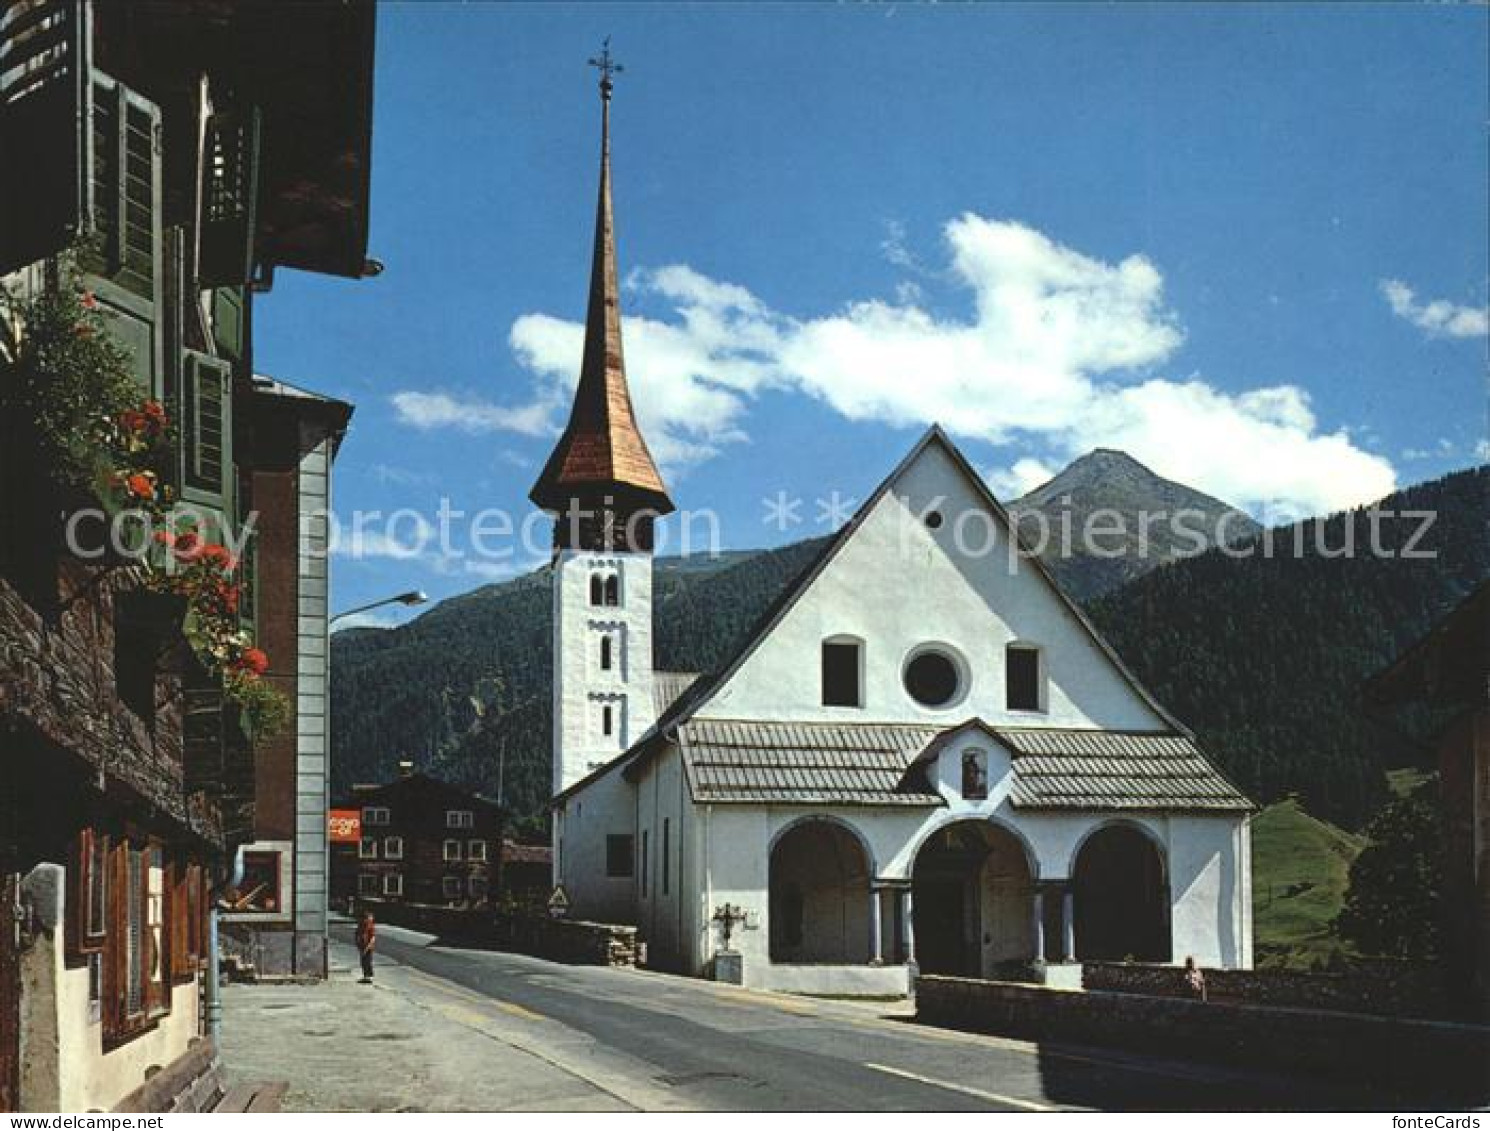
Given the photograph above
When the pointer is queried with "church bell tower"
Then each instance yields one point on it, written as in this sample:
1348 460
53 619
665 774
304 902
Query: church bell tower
604 491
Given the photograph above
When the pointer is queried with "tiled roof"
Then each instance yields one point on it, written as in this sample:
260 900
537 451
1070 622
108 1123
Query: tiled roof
803 763
667 687
1098 769
871 764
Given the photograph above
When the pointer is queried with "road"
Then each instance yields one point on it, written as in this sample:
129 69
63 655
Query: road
658 1042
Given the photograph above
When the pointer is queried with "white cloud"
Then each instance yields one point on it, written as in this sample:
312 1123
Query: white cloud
1482 450
1438 318
366 620
441 410
1010 483
1056 351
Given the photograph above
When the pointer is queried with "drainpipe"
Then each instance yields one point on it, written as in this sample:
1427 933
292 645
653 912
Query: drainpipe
213 992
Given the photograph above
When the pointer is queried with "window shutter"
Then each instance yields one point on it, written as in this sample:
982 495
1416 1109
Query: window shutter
202 739
230 185
207 431
45 91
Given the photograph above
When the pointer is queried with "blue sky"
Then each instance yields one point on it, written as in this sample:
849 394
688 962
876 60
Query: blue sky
1247 244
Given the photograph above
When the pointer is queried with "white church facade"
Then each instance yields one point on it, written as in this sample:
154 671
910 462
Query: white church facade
923 758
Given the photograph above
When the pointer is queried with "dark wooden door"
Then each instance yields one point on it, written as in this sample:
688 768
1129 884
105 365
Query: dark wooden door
10 995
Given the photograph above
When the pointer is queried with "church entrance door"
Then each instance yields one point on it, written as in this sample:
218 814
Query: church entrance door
972 897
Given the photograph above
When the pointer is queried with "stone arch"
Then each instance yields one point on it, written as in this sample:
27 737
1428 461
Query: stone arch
1119 879
819 874
972 889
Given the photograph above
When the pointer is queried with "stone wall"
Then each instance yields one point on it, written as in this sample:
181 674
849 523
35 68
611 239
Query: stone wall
1424 1061
1389 989
562 940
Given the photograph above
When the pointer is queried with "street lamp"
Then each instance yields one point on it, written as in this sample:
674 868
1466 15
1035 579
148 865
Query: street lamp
412 597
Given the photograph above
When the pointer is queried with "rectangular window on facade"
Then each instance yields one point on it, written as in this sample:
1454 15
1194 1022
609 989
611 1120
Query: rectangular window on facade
374 815
368 848
605 653
452 850
451 887
459 819
477 887
393 848
618 856
393 883
476 850
667 854
841 674
367 883
1022 678
646 859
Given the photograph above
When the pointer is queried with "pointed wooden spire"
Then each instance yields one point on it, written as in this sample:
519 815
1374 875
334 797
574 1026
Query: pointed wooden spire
602 452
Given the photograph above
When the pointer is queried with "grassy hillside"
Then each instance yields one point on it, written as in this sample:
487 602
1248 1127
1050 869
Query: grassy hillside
1300 870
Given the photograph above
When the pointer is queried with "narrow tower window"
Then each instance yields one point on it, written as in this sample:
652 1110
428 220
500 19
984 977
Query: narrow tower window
607 720
612 590
605 653
597 590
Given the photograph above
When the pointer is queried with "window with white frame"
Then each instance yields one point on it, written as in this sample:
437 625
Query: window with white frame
459 819
476 850
452 850
374 815
367 849
393 883
450 887
477 887
393 848
367 883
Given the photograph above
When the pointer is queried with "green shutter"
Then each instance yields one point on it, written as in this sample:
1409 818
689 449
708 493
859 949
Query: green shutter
228 321
125 269
230 187
46 89
207 430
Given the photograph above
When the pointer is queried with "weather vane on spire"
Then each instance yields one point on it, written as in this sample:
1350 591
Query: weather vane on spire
607 67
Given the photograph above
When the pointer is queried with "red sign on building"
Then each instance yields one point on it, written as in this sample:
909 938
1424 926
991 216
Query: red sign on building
345 826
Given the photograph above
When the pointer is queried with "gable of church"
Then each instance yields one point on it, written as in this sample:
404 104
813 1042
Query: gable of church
920 613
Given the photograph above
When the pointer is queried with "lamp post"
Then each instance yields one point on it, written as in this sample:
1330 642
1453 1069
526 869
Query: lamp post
412 597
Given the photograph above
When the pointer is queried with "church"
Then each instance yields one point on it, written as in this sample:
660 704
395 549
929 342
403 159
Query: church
923 759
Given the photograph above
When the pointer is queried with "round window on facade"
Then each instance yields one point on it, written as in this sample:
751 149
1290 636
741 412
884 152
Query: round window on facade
933 678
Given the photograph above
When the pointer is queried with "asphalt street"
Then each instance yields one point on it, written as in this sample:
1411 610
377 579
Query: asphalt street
657 1042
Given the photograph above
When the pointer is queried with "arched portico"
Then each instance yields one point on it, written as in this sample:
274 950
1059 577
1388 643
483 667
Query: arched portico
1121 895
819 897
974 898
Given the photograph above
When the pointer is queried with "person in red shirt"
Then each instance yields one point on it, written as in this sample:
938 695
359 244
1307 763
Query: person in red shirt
367 940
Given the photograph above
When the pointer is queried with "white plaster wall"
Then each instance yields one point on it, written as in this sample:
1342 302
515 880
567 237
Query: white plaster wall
897 584
607 806
579 684
1210 890
662 813
63 1063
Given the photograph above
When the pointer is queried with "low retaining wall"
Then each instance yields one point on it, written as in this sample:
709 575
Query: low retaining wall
1440 1060
1386 989
562 940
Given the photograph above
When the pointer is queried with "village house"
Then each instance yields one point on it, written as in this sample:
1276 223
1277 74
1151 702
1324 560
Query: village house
420 840
1449 669
158 164
924 757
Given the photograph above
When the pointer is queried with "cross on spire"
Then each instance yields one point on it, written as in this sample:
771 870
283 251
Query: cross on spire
607 66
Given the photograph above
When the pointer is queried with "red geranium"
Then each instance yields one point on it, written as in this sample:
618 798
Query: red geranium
255 660
141 485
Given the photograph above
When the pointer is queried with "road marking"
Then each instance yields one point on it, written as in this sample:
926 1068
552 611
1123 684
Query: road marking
1027 1105
455 990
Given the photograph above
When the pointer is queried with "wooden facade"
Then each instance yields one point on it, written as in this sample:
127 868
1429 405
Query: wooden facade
423 841
175 157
